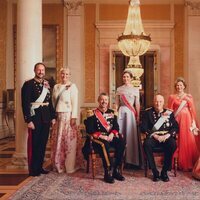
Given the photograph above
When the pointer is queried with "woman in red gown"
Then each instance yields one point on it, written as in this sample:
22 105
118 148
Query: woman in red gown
183 106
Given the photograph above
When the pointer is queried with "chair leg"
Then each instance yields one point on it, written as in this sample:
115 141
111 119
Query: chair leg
122 168
88 165
93 155
175 166
145 167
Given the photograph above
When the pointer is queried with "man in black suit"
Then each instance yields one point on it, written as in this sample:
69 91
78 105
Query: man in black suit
160 127
38 114
103 127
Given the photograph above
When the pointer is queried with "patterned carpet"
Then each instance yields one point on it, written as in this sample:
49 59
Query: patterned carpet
81 186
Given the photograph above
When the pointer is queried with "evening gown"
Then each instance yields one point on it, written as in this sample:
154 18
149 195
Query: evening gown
196 169
187 148
128 125
63 136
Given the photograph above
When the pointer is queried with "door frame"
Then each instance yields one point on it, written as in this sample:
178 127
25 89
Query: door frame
112 67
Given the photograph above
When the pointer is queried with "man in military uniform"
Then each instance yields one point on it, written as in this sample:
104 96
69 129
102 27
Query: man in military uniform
104 129
38 114
160 127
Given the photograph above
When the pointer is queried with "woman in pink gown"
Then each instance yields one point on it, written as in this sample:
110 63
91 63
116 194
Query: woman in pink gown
183 106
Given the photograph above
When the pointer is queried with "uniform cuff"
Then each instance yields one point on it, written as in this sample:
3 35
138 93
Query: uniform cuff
96 134
115 132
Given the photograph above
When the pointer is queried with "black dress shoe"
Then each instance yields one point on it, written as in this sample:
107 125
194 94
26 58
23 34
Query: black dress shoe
44 171
156 176
108 178
118 176
164 177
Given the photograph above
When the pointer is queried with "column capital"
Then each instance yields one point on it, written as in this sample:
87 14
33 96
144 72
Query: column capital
193 7
72 5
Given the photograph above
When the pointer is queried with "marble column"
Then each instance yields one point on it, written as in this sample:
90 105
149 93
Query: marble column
29 52
9 47
74 47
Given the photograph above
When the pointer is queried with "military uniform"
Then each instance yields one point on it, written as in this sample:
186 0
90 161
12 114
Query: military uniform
41 118
149 120
95 127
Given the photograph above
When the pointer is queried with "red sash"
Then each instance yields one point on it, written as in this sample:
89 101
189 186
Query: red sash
103 121
128 104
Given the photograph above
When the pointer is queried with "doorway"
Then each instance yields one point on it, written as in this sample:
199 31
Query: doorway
148 80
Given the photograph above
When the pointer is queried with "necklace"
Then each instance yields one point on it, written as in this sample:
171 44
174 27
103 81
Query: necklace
180 95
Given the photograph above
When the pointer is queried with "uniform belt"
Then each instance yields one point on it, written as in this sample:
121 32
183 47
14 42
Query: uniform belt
40 104
104 133
161 132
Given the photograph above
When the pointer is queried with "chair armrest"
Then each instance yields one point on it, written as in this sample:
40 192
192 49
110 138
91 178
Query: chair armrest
82 130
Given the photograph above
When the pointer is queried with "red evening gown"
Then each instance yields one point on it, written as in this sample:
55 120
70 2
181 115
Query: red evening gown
187 148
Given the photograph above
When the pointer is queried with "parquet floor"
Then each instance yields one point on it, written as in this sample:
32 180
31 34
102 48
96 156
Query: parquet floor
12 179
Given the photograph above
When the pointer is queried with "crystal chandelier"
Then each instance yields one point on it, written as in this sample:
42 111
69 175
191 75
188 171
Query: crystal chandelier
134 42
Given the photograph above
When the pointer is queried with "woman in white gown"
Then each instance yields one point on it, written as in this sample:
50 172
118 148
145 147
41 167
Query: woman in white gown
64 134
128 105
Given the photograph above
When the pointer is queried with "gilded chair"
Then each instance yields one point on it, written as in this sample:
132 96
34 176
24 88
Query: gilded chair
90 155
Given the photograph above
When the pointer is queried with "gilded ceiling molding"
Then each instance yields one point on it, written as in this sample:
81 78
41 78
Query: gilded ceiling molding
193 7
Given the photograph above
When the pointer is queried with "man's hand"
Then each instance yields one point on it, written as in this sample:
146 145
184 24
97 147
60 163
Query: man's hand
110 137
31 125
166 136
156 137
104 137
161 138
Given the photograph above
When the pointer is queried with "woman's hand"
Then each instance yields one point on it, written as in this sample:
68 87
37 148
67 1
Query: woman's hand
73 122
138 120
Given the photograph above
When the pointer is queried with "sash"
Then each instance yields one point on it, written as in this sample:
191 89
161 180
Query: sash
128 104
58 97
161 121
40 99
102 120
181 106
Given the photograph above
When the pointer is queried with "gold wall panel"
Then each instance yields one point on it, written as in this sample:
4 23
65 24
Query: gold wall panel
155 12
112 12
120 12
53 15
89 22
179 40
3 22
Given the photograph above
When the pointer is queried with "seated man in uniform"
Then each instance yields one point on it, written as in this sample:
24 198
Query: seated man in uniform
103 127
160 127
